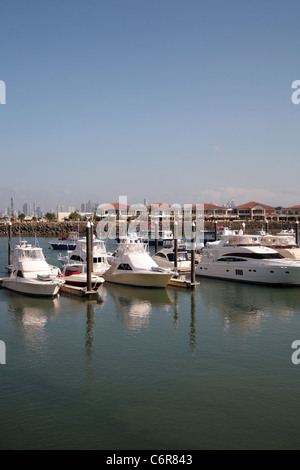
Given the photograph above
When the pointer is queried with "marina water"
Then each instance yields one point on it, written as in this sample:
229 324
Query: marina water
150 369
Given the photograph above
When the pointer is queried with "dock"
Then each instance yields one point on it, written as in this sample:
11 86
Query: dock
68 290
182 283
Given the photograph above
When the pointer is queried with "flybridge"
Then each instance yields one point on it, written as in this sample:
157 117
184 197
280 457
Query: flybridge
2 92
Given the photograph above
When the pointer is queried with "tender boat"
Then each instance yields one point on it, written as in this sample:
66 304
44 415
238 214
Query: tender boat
100 255
65 243
31 274
76 275
134 266
242 257
166 256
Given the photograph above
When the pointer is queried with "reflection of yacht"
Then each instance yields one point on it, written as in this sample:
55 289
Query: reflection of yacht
31 274
243 258
134 305
166 256
76 275
134 266
100 263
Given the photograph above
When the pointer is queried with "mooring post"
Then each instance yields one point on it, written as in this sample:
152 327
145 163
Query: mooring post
9 244
297 233
266 226
216 230
193 249
89 259
175 244
156 237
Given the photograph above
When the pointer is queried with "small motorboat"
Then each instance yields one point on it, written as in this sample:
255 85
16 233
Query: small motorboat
65 243
76 275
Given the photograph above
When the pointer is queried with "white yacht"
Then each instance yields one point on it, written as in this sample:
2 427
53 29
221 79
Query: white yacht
166 256
134 266
31 274
242 257
100 256
76 275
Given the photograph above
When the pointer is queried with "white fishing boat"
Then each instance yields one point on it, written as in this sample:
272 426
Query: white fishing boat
31 274
243 258
100 255
134 266
166 256
76 275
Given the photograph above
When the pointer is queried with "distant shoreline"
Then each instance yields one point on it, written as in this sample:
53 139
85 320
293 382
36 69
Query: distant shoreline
63 229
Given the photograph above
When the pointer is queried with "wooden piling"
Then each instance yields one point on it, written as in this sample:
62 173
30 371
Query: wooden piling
193 249
175 245
89 256
266 226
9 244
297 233
216 230
156 237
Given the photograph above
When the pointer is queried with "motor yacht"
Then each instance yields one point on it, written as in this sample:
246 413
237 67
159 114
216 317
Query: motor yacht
100 255
166 256
31 274
76 275
133 265
242 257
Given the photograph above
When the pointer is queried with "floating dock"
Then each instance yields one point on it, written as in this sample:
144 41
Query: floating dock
182 283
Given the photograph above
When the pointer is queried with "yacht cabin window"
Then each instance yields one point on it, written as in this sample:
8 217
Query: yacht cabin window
125 267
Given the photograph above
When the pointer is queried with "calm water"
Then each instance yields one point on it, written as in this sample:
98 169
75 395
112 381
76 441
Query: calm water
150 369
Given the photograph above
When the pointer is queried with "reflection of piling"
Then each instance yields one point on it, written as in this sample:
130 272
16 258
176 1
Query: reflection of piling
89 256
9 244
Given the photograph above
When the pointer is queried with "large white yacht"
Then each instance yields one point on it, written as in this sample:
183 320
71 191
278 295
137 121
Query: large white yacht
100 261
242 257
133 266
31 274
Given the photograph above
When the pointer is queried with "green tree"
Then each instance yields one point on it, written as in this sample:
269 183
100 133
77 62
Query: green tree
50 216
22 217
74 216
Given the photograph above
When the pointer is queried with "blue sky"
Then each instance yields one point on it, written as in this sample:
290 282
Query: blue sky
177 101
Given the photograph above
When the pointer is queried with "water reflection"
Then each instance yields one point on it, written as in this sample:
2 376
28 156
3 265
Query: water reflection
134 305
245 305
31 316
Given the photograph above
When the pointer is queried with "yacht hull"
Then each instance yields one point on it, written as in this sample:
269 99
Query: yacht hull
158 280
37 289
271 275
